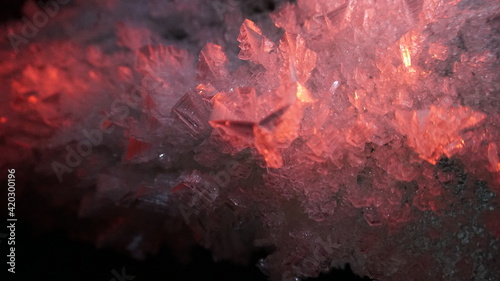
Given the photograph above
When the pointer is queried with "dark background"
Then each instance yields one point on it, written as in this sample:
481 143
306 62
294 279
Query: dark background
54 256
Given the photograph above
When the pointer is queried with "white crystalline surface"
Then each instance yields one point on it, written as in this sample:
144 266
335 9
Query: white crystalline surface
329 132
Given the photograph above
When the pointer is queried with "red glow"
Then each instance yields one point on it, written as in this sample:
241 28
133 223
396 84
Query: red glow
136 147
363 123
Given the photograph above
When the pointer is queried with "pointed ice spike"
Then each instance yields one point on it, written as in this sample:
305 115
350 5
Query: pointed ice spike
254 46
273 119
193 113
237 105
135 148
212 64
437 131
298 60
163 62
235 112
286 18
241 129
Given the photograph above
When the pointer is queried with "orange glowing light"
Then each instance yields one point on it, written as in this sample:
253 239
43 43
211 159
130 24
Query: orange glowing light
32 99
303 94
405 52
408 45
52 73
436 131
92 74
493 158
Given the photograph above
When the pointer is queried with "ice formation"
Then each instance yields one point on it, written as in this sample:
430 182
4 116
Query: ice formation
329 132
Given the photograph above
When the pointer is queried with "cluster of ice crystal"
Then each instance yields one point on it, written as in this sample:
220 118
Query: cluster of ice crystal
355 132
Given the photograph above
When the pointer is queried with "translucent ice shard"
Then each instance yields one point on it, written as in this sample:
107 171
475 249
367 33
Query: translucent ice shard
298 60
255 46
196 193
135 148
212 64
360 133
493 157
164 62
286 18
266 145
134 38
168 74
436 131
237 105
192 112
325 20
266 122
